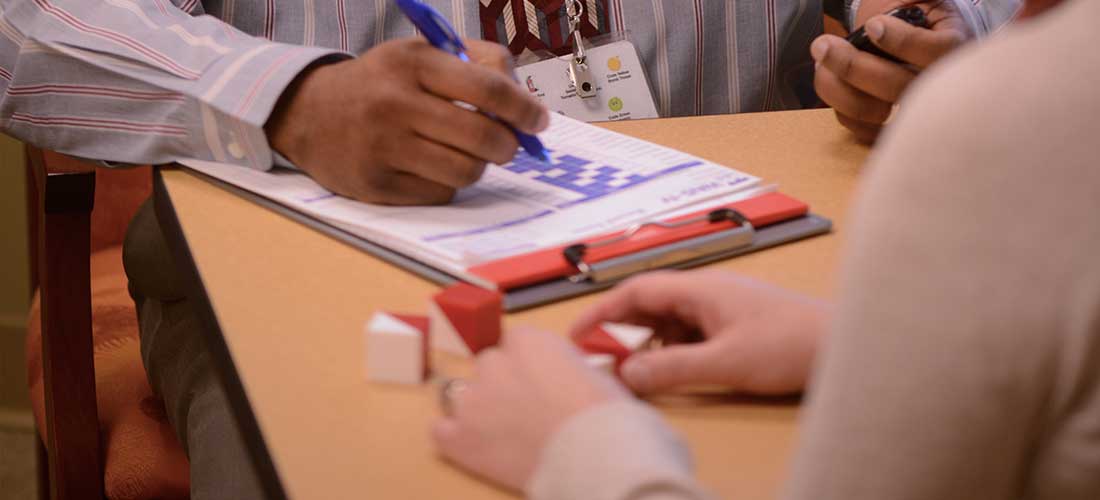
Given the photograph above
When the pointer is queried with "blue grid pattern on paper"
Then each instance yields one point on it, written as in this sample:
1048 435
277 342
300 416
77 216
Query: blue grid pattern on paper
568 172
583 176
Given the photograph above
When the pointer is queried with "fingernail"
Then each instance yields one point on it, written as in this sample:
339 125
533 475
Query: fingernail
875 29
819 48
636 374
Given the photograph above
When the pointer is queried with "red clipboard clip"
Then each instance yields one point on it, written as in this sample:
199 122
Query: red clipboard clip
679 250
636 249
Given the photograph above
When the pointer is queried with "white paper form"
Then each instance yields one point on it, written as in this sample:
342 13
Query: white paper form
597 181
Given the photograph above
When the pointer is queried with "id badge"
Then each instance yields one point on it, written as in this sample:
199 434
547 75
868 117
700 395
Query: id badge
614 70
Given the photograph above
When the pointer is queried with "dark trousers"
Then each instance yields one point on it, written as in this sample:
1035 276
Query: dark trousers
179 368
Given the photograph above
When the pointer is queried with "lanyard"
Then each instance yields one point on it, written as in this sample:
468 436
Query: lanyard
579 72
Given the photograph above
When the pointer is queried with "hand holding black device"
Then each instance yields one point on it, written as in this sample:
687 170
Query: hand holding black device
912 15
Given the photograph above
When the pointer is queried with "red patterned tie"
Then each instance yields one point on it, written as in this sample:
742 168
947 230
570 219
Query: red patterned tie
539 24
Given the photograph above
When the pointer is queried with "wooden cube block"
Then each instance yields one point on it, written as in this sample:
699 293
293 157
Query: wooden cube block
465 319
397 348
616 339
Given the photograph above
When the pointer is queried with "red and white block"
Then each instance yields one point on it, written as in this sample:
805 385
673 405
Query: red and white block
601 362
397 348
618 340
465 319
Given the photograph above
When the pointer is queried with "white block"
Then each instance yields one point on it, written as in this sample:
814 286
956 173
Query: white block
395 350
601 362
632 337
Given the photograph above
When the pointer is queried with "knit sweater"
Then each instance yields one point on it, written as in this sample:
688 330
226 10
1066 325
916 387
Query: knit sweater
963 360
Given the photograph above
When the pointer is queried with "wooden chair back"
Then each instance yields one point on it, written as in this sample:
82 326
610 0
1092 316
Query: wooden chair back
61 195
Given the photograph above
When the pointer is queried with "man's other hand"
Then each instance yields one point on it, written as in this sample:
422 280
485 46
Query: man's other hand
384 128
862 88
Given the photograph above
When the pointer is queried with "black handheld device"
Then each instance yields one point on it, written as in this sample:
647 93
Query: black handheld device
911 15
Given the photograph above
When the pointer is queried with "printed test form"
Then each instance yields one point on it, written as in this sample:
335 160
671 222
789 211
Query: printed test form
597 181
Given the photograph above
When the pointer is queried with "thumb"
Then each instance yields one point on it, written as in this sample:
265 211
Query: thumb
674 366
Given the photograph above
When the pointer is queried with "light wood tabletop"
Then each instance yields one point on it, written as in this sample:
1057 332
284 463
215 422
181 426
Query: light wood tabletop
291 303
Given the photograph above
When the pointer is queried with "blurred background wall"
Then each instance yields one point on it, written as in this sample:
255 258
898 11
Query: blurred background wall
14 274
17 467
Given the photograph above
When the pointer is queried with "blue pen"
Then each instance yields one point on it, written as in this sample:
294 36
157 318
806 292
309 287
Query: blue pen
442 36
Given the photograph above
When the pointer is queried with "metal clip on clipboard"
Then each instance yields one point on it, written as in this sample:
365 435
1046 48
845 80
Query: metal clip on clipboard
660 256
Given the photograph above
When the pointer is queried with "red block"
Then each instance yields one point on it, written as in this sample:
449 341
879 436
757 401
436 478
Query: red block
617 339
423 325
465 319
600 342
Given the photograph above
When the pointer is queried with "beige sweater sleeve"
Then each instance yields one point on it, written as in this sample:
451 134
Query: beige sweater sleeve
964 361
616 451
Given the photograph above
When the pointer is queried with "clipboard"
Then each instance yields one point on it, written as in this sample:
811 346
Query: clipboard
694 239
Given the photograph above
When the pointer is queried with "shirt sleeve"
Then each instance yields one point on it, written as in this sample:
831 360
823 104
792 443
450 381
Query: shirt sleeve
615 451
141 81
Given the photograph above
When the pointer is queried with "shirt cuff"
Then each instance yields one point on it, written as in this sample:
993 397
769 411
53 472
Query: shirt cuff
974 16
243 95
615 451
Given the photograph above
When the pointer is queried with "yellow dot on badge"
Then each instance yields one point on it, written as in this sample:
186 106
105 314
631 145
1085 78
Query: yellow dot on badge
615 104
614 64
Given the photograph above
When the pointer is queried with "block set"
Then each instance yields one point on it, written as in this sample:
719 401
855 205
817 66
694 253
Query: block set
464 319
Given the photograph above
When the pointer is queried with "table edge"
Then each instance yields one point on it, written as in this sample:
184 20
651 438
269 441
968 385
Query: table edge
262 462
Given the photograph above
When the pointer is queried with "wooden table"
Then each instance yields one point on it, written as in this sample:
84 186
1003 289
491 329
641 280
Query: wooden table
291 303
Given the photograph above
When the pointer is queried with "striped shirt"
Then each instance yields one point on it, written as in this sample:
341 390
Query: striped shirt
151 81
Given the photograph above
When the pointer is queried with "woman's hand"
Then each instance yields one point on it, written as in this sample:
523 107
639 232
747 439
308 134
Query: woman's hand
521 392
717 328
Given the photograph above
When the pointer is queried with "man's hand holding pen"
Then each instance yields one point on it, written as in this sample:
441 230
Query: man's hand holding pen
383 128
